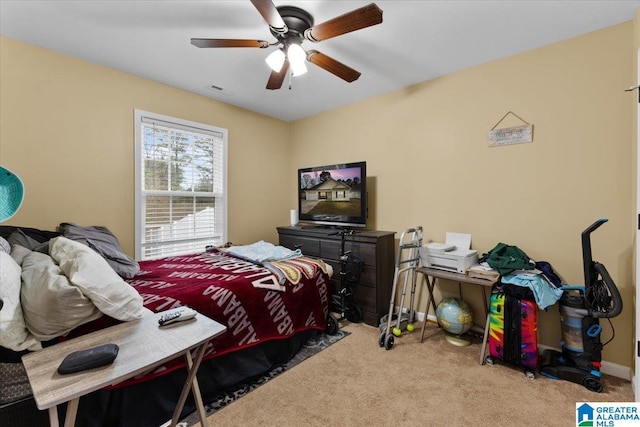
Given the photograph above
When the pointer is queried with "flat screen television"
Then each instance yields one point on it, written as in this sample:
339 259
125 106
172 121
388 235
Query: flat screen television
333 195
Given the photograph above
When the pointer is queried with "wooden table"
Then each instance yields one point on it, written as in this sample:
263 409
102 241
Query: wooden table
431 274
143 346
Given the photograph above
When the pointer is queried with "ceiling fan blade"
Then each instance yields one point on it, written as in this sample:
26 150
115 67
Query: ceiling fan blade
270 14
277 77
355 20
229 43
331 65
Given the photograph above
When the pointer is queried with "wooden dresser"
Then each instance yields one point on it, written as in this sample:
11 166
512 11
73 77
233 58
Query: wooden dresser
375 248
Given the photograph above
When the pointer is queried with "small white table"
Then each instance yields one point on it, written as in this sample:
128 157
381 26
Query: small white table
143 346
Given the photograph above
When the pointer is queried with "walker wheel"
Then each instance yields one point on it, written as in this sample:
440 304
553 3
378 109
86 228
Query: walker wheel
489 360
388 342
397 332
332 325
530 374
354 314
593 384
383 335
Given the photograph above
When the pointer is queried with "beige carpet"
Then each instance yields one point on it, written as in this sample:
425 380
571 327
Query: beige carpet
356 383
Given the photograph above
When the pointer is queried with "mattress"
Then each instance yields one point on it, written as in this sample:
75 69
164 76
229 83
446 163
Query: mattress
15 384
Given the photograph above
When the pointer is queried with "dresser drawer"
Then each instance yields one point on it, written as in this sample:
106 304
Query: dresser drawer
367 302
364 252
310 247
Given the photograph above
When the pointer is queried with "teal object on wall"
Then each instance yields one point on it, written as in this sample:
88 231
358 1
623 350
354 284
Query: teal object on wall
11 193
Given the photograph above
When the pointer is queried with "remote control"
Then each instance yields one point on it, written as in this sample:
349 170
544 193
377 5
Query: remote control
178 314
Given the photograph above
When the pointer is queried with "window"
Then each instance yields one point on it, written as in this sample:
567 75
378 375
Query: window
181 186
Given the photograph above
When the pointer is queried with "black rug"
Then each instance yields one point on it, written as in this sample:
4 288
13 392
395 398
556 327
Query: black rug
311 347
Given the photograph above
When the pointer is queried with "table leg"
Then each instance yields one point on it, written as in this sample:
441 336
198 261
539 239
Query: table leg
486 325
483 350
484 300
53 417
195 389
431 302
72 411
191 376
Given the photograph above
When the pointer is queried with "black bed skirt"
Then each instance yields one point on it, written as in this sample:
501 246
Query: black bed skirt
151 403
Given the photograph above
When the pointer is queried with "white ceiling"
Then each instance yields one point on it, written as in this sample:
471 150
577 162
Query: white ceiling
417 41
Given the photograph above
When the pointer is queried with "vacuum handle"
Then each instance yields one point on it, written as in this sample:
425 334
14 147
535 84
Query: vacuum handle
594 226
587 258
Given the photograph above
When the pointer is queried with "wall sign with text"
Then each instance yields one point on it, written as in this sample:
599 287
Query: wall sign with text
510 135
513 135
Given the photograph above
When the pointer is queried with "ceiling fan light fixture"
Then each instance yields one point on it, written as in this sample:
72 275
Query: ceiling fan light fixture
298 69
296 54
275 60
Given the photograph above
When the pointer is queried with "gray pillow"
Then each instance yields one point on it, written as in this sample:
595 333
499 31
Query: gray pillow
101 240
18 237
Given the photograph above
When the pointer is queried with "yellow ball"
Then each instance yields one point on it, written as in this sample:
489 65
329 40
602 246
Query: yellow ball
411 327
397 332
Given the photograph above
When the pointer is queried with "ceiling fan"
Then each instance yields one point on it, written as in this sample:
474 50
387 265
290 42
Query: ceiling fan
291 26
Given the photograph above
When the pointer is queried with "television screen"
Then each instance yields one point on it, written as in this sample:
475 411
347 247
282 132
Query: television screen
333 195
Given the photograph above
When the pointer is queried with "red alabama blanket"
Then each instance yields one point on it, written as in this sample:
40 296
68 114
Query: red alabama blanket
256 303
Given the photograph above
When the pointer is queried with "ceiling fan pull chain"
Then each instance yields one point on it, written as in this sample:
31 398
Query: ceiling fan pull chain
290 78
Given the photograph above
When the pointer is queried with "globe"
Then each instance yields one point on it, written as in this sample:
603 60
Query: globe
454 316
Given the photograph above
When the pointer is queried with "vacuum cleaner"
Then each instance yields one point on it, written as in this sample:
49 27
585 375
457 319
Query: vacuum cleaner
581 308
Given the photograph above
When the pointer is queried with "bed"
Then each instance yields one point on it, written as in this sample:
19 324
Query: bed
270 307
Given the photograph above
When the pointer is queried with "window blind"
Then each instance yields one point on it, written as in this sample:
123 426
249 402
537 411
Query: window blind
182 187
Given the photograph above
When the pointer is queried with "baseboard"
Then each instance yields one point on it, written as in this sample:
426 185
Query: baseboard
608 368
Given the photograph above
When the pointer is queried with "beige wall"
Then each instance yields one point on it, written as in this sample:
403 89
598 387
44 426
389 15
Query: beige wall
426 151
66 128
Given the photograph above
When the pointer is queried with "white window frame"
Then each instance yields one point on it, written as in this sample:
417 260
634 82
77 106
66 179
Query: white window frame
139 117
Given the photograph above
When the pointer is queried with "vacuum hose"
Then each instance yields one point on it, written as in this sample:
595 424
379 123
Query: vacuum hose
603 296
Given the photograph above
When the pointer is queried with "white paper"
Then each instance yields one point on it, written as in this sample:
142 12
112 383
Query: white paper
460 240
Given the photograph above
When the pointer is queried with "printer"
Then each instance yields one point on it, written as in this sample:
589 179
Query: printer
454 255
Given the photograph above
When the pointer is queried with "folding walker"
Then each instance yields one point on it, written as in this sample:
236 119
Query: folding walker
406 264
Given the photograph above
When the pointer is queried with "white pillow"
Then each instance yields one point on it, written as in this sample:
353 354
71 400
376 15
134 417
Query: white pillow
18 253
87 270
4 245
14 334
51 305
